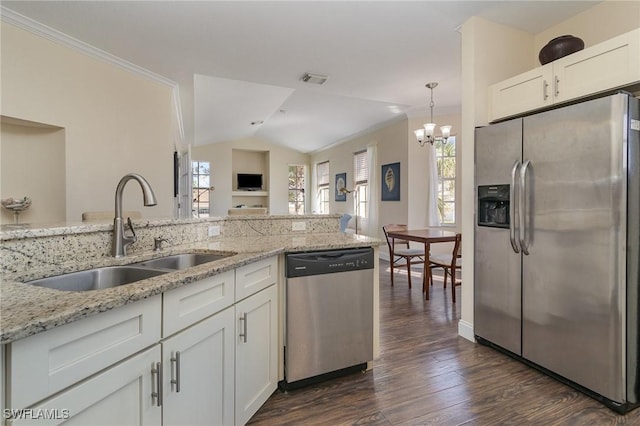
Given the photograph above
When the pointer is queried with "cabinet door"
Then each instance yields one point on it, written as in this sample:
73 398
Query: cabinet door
524 92
604 66
120 395
198 371
256 352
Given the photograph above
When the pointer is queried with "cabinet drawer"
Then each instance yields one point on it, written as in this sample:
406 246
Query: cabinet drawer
193 302
256 276
45 363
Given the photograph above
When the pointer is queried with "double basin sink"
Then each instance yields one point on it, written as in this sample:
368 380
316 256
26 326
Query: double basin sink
113 276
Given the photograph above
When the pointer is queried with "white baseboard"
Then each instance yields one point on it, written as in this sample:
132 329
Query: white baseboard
465 330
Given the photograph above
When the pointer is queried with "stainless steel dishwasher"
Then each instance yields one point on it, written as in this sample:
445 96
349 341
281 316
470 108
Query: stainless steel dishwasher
329 314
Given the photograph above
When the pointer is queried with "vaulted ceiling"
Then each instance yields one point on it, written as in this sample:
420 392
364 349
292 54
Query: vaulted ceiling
241 62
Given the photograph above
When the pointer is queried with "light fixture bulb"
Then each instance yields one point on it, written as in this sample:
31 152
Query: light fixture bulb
419 134
428 129
446 132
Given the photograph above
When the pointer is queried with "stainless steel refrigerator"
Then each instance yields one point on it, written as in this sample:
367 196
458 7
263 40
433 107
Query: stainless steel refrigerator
556 243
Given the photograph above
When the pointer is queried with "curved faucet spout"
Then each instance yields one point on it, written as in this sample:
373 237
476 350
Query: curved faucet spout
120 241
148 196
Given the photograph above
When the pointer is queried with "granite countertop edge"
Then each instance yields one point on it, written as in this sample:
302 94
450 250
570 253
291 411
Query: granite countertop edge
26 310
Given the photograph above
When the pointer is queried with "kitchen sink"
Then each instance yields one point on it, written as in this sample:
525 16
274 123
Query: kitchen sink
98 278
182 261
113 276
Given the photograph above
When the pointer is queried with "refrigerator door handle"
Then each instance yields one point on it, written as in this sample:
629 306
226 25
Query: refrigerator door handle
513 227
521 208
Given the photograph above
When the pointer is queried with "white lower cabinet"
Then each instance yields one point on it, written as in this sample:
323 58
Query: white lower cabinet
48 362
203 354
120 395
256 352
198 367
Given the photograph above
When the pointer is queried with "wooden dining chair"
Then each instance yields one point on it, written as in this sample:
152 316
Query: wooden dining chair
398 254
449 263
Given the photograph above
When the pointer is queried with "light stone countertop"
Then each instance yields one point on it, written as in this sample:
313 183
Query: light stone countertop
26 310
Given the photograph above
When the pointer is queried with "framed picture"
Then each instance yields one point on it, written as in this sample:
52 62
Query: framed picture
390 182
341 182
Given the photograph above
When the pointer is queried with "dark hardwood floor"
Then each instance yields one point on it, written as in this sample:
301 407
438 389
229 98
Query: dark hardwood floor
428 375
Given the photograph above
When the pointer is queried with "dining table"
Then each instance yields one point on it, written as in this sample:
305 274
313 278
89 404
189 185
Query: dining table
426 236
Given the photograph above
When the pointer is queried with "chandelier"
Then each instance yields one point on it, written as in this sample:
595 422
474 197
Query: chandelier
425 134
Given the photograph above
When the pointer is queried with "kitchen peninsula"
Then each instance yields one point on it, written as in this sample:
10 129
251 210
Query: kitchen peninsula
256 248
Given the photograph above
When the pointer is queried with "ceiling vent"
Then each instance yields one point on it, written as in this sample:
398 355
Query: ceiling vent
314 78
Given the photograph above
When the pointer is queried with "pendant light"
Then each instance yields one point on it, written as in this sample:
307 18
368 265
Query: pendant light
426 134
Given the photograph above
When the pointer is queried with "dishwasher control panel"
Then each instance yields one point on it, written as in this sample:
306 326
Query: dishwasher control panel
328 261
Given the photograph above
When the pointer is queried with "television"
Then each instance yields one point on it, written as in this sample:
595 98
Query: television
249 182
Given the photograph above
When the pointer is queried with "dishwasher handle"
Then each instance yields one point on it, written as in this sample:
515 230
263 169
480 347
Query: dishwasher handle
328 257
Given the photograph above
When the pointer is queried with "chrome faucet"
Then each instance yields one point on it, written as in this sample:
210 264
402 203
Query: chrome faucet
120 240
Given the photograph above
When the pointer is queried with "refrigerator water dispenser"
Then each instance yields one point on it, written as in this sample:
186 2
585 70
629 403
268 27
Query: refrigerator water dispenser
493 206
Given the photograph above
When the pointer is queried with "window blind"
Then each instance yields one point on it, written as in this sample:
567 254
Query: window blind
360 167
323 173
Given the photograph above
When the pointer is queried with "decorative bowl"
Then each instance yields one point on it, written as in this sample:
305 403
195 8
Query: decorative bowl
560 47
16 204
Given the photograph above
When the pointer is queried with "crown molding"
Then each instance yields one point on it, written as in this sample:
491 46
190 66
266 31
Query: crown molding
39 29
20 21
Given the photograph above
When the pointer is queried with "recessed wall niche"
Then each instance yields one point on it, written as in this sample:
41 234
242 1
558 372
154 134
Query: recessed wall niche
32 164
249 161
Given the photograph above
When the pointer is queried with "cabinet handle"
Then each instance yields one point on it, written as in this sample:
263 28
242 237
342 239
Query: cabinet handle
545 87
556 89
176 359
243 318
156 372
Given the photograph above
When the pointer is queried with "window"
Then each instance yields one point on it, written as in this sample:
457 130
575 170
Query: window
201 179
322 170
446 161
361 182
296 189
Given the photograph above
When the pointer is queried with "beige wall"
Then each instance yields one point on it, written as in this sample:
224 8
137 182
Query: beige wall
391 143
396 143
602 22
115 121
278 159
492 52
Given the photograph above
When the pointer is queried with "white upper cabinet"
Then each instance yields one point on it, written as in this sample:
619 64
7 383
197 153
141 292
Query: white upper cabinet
521 93
612 64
